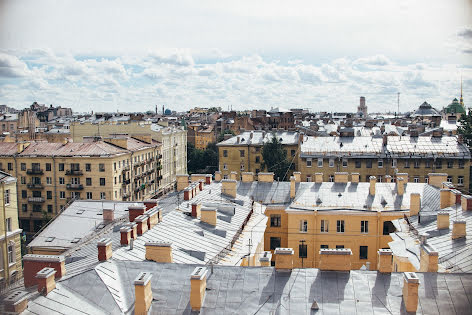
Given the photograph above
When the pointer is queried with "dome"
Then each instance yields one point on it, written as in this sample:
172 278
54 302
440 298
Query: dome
426 109
455 107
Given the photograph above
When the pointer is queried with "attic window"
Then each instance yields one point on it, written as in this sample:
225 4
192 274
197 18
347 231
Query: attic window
50 239
75 240
100 226
80 211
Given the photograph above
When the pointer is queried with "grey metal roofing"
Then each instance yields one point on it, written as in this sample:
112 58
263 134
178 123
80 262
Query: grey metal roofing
5 177
334 146
426 109
261 137
109 289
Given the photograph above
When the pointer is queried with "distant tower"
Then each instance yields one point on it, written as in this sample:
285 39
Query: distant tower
461 100
156 109
162 109
362 108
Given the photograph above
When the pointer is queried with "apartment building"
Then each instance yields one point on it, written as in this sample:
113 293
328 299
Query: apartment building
50 175
10 242
243 153
387 155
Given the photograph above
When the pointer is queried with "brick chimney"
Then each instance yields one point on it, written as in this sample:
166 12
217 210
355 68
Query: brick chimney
228 187
445 198
16 302
233 175
134 229
150 203
355 177
198 280
372 182
159 251
442 221
436 179
466 202
400 186
341 177
135 211
458 229
283 259
455 197
292 187
208 215
108 215
388 178
265 177
196 210
318 177
45 280
415 203
217 176
410 291
143 293
298 176
247 177
142 224
153 217
429 258
105 250
33 263
385 260
208 179
201 182
338 259
265 259
182 181
125 233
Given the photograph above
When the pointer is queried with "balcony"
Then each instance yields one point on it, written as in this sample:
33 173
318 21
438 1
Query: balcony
36 199
75 186
35 186
74 172
34 171
126 182
125 168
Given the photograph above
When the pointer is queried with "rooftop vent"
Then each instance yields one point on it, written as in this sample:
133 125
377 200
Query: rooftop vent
80 211
318 201
50 239
75 240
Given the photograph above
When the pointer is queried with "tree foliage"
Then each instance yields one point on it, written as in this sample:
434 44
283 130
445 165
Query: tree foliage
465 128
275 159
221 136
202 161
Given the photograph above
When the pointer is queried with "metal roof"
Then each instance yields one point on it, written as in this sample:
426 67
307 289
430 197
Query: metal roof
261 137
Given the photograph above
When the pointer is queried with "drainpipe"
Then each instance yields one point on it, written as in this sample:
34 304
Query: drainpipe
7 275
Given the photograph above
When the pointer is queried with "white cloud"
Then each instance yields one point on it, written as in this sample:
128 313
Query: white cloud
377 60
11 66
177 58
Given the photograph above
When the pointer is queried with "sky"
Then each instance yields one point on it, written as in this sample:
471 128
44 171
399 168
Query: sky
320 55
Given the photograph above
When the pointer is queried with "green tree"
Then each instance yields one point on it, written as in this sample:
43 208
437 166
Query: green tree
465 128
275 159
221 136
202 161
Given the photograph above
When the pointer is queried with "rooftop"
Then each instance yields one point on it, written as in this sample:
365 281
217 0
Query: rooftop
261 137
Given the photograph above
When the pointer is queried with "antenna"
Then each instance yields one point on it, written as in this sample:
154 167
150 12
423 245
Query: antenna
398 103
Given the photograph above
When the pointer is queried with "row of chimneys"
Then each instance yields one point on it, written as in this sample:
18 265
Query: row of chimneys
141 219
184 180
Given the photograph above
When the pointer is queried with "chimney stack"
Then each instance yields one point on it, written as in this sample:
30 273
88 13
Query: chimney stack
105 250
150 203
338 259
341 177
372 181
125 233
233 175
298 176
355 178
388 178
196 210
445 198
208 215
143 293
108 215
208 179
46 281
247 177
266 177
283 259
217 176
442 221
415 203
16 302
385 260
458 229
198 280
429 258
410 291
436 179
400 186
228 187
318 178
466 202
159 251
265 259
135 211
33 263
292 187
182 181
141 224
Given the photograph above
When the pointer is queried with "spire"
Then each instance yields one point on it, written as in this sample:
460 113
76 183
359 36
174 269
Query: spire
461 100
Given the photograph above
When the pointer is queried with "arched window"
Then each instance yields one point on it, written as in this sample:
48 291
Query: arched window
11 252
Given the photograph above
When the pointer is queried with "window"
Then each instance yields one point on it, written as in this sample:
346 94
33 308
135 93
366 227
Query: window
302 251
303 226
61 167
8 224
331 178
24 207
407 164
274 243
225 166
23 166
10 166
275 220
7 197
101 167
88 167
258 159
308 162
102 181
48 180
344 162
61 181
339 246
388 227
394 162
358 163
363 252
364 226
308 178
62 194
450 163
23 180
427 164
368 163
324 246
37 208
449 179
89 195
460 180
426 179
241 153
114 166
438 164
11 253
114 178
324 228
380 163
416 179
48 167
331 162
88 181
461 164
24 194
320 162
225 153
49 208
292 153
242 167
380 178
102 195
49 194
340 226
417 164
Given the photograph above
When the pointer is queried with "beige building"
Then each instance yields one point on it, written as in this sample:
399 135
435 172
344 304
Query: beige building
50 175
10 242
173 140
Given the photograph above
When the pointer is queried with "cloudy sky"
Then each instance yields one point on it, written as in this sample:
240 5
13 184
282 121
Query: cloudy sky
321 55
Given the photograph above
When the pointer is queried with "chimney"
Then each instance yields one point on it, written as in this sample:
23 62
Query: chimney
318 178
265 259
228 187
143 293
108 215
150 203
45 280
442 221
142 224
33 263
233 175
410 291
182 181
385 260
266 177
444 198
458 229
388 178
292 187
135 211
16 302
125 233
385 140
355 177
400 186
208 215
301 136
338 259
196 210
283 259
466 202
237 139
247 177
134 229
341 177
198 280
436 179
153 217
455 197
159 251
298 176
429 258
105 250
372 181
217 176
200 184
208 179
415 203
187 193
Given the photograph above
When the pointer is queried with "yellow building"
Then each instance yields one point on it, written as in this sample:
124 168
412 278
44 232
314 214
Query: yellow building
243 153
50 175
340 214
204 136
10 242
